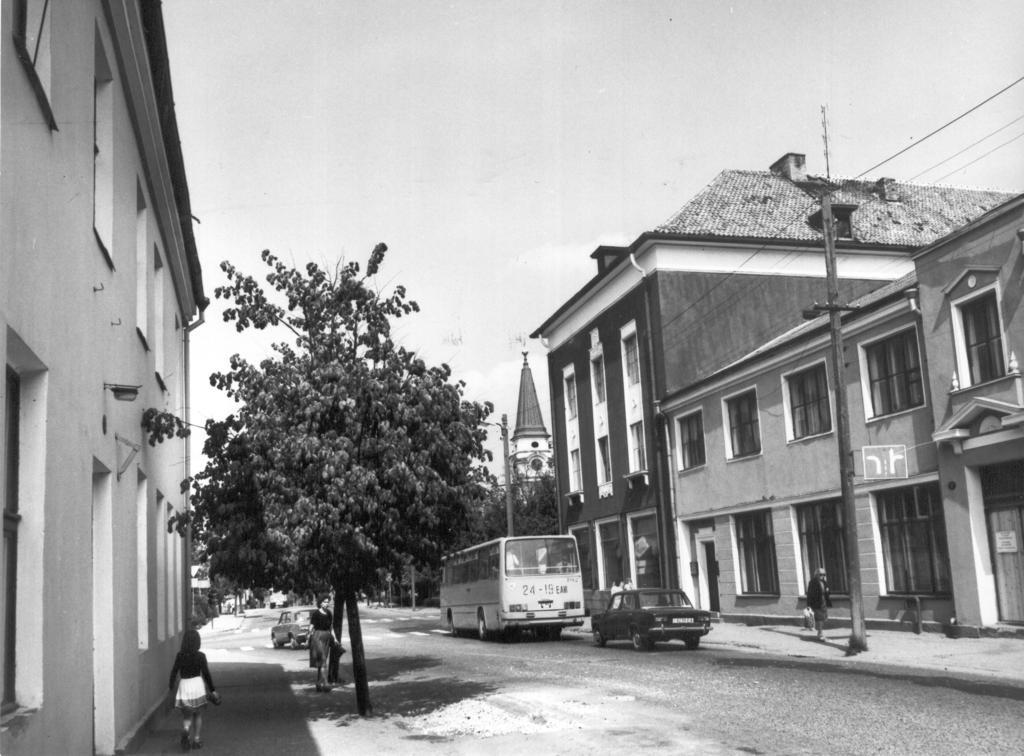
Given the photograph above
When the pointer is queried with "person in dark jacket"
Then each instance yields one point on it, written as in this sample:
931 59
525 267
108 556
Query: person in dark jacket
321 638
819 598
190 664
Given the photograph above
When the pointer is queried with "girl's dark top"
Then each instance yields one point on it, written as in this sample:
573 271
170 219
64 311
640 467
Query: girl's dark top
321 619
818 594
191 665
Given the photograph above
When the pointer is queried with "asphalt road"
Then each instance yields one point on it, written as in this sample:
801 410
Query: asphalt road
436 694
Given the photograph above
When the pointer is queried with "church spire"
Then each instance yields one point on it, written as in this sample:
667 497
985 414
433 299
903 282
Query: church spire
528 418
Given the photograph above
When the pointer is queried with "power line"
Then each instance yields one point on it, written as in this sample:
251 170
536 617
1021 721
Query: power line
973 144
994 149
945 125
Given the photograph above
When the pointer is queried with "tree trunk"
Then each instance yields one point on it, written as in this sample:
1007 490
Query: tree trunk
355 635
334 660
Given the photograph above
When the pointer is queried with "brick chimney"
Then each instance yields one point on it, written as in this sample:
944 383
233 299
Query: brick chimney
792 165
886 188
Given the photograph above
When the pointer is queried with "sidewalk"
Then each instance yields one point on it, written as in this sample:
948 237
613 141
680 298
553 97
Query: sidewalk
996 658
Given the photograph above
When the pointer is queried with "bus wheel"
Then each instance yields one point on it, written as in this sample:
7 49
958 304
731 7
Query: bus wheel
481 625
552 633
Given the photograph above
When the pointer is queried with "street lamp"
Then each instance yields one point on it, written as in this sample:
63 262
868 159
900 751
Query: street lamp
508 470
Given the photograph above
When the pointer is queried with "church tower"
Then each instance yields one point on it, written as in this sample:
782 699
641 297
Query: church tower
530 452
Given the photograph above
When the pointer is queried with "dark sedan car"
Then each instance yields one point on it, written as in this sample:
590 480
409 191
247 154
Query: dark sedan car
648 615
292 628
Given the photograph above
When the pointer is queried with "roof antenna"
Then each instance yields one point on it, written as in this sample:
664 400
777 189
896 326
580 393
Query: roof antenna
824 131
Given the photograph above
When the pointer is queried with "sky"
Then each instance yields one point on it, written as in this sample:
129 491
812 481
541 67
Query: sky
493 145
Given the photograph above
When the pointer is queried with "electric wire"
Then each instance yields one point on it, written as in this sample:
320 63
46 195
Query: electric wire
961 152
994 149
944 126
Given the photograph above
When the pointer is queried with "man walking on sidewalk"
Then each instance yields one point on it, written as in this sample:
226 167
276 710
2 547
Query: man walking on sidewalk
819 598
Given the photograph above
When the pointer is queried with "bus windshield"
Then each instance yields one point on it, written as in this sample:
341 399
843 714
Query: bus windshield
541 556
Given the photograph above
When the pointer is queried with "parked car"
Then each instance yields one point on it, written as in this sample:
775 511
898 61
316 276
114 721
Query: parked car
648 615
291 628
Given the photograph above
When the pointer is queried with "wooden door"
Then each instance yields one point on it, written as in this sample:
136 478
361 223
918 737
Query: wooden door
1006 537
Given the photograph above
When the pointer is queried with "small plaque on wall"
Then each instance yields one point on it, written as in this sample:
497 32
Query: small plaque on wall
1006 541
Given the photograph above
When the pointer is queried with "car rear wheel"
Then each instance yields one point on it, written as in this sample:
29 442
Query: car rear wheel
692 643
274 641
293 642
599 639
640 643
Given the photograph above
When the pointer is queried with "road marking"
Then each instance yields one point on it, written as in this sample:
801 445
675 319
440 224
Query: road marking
246 648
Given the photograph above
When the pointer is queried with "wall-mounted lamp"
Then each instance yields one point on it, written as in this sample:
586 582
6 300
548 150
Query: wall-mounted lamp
123 392
913 298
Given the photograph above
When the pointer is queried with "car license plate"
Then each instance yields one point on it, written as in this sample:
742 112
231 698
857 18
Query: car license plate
682 620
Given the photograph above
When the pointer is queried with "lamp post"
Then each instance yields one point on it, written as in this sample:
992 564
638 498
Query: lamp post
508 471
508 475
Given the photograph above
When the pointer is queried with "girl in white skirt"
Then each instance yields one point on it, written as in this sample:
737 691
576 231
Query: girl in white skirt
190 664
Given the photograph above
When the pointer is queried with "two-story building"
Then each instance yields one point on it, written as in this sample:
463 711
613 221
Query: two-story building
100 285
729 272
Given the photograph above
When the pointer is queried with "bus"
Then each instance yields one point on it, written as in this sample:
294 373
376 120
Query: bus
508 584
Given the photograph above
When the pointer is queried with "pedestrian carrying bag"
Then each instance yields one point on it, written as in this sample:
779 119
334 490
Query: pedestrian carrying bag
808 618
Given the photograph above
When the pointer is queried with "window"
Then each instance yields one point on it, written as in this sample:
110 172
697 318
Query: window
597 379
744 431
644 538
583 545
158 317
575 472
691 441
609 556
604 460
821 542
631 355
142 559
913 534
33 45
637 450
982 353
571 409
141 265
103 153
809 412
894 374
756 545
12 445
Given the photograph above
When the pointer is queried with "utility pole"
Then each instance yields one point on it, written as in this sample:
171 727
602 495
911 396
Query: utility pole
508 474
858 634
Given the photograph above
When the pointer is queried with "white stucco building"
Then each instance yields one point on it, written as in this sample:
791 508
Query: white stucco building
100 286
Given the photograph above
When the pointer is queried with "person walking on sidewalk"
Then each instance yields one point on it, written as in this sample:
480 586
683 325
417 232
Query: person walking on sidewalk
196 682
819 598
321 638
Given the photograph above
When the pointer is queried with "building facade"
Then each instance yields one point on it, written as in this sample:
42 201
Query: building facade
101 285
973 333
727 274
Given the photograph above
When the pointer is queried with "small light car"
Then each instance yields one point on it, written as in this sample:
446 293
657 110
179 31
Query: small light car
292 628
648 615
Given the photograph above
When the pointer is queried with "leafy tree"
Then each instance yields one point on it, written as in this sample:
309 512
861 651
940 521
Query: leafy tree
534 509
347 453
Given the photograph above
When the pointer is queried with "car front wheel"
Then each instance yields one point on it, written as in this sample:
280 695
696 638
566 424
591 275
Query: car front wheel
692 643
293 642
640 643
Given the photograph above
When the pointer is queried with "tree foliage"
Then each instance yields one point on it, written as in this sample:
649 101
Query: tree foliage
347 452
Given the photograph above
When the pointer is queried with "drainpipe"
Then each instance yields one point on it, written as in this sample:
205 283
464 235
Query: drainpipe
669 577
187 412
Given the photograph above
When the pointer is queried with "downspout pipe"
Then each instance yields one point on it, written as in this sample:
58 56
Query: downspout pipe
669 577
187 412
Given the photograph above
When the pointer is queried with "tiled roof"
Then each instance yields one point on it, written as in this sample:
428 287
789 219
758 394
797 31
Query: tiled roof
763 205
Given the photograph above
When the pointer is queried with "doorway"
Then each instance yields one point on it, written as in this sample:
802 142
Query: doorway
1003 490
711 569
